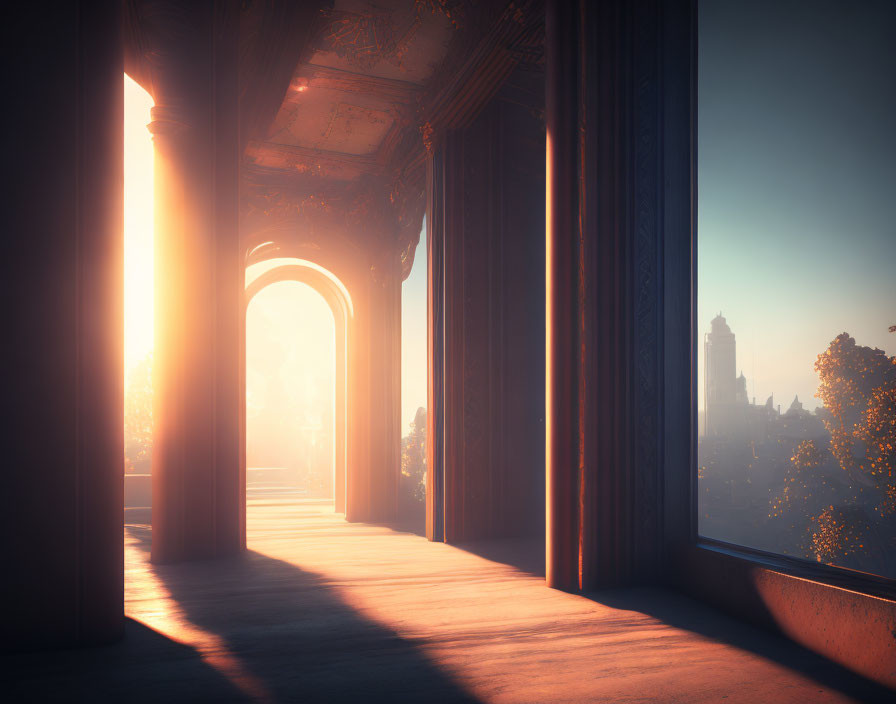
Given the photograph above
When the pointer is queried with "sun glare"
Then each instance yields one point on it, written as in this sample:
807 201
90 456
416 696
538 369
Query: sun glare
138 226
290 390
254 271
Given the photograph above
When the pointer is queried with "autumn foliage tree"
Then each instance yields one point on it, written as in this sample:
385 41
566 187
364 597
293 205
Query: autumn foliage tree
857 386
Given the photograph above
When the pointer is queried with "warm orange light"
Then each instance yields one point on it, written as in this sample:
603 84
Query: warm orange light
548 358
138 225
290 387
253 271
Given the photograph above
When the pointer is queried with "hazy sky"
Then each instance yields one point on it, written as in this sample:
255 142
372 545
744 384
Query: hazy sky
290 337
413 337
290 366
797 182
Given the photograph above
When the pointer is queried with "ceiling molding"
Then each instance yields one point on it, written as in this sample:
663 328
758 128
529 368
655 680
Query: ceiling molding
469 79
319 163
386 89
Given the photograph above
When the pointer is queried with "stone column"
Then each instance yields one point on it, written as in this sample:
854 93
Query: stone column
340 426
564 305
197 482
486 220
435 352
604 289
374 415
62 498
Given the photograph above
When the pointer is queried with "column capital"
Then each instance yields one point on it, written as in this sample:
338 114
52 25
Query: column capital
168 120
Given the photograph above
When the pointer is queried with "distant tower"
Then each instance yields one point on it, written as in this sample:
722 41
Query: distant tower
742 398
720 377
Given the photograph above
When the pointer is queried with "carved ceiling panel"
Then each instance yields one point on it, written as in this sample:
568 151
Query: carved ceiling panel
333 120
292 161
375 86
396 39
344 150
357 93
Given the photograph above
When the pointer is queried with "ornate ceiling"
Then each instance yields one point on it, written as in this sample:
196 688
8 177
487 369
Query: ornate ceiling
348 102
342 99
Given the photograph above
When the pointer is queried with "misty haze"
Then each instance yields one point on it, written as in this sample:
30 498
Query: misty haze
797 298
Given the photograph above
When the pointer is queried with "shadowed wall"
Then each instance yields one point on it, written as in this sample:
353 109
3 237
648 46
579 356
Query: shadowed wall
488 236
63 448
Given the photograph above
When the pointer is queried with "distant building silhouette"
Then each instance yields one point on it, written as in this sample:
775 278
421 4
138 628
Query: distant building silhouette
730 413
721 386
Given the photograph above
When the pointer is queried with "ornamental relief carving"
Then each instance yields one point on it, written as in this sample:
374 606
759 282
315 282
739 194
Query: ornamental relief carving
647 293
375 217
366 38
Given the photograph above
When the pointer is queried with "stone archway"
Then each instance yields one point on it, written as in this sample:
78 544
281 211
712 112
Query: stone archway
339 301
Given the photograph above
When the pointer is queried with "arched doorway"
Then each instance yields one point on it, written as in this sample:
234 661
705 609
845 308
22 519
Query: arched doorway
339 302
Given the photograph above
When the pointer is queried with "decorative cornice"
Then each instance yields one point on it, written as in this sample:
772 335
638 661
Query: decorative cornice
168 121
302 160
387 89
462 86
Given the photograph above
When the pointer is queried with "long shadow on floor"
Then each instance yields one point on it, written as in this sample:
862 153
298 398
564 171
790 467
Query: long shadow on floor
685 613
294 635
679 611
524 554
144 667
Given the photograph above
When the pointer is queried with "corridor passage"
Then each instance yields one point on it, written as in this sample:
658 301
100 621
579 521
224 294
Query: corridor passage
323 610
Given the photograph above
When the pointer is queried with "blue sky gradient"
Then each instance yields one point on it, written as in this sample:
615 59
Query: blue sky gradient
797 182
413 337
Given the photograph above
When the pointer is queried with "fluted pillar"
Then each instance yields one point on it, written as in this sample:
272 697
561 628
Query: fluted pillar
198 498
374 422
606 189
486 228
563 302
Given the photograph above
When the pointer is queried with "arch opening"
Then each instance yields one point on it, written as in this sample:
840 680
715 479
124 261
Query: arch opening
295 385
290 393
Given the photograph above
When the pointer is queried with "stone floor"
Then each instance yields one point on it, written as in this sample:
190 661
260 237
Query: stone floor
321 610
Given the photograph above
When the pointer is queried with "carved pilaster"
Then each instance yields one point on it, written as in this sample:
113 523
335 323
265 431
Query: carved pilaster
487 326
604 121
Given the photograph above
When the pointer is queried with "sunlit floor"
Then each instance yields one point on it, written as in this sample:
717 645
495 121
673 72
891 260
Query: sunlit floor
322 610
